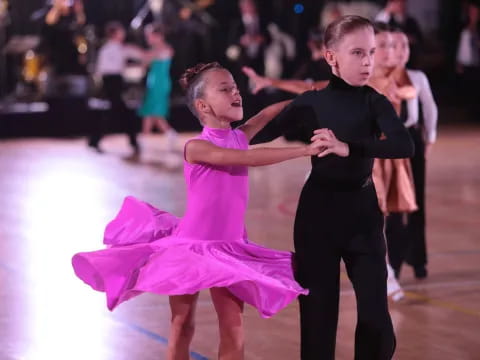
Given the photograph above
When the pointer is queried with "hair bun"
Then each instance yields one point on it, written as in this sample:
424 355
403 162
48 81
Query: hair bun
191 74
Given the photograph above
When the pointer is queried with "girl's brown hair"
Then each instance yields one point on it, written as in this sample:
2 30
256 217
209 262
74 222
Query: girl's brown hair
155 28
192 82
344 25
381 27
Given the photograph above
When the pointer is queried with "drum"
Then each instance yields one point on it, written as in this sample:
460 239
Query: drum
33 65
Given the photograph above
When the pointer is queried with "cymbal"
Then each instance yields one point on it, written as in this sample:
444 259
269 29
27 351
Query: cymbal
21 44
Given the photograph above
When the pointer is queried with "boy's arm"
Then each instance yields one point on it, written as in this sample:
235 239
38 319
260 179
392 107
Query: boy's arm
396 142
258 122
296 122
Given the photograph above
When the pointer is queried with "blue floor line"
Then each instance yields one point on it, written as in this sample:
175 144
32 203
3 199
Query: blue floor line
160 339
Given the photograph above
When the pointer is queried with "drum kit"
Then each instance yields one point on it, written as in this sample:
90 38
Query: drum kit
32 68
30 65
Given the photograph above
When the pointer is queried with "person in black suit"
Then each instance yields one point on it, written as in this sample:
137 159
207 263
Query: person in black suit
395 15
248 39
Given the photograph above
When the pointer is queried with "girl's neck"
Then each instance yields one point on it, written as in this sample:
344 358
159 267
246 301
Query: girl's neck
383 71
215 123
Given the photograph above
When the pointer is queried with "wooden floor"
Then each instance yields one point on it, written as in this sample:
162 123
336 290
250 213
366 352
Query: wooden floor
57 195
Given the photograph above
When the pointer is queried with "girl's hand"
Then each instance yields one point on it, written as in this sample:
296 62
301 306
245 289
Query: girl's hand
328 142
392 94
259 82
315 148
407 92
428 150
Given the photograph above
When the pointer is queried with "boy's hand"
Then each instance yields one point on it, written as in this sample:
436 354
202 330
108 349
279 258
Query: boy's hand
326 139
314 148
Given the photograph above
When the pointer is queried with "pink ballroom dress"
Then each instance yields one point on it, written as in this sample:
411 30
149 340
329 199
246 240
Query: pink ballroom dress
149 250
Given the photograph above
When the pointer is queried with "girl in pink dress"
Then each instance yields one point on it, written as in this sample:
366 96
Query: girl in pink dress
153 251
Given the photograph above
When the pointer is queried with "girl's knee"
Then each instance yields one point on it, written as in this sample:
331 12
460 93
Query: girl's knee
183 325
233 333
233 338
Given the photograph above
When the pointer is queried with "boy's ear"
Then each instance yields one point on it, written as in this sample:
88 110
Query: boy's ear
330 57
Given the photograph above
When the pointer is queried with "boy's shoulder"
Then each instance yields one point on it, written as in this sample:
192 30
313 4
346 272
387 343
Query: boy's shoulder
372 93
313 93
373 97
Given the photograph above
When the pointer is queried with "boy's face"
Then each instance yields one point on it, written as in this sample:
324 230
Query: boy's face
352 58
119 35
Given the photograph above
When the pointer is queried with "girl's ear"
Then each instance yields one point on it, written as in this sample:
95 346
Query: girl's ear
330 57
201 106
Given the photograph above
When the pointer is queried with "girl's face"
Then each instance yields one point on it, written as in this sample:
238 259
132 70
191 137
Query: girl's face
153 38
401 48
221 99
352 58
384 55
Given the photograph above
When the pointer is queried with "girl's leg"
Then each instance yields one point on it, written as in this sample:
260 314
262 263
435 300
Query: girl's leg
165 127
230 319
394 290
147 124
182 326
161 124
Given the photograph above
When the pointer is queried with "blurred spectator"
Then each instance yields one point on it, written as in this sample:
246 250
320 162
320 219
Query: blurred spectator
395 15
62 25
468 58
248 39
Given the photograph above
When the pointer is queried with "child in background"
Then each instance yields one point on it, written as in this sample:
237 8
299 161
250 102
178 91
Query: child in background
156 102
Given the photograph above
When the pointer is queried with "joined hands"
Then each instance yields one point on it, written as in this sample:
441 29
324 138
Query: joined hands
324 142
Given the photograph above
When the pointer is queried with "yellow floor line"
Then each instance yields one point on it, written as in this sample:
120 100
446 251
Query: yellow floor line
443 304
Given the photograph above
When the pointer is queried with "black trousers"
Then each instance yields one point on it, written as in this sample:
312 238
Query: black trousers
406 232
333 224
417 251
118 114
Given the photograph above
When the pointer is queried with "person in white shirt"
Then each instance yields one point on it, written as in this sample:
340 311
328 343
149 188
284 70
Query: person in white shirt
411 246
111 62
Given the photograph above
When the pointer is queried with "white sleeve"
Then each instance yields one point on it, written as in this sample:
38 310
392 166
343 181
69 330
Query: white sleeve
383 16
132 52
412 111
429 109
101 61
464 52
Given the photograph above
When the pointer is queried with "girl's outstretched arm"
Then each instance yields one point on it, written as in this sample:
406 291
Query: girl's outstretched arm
204 152
259 121
290 85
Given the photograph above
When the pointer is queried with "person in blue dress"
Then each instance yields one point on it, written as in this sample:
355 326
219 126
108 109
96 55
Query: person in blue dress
156 102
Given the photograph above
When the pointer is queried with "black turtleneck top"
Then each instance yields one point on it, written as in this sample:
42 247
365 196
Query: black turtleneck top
359 116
